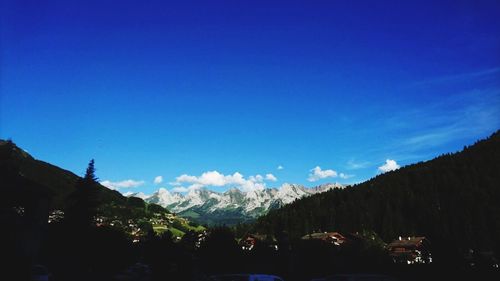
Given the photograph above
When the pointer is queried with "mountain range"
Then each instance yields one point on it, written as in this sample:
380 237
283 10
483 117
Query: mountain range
232 206
200 205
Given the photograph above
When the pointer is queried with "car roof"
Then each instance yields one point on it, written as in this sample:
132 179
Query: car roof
249 277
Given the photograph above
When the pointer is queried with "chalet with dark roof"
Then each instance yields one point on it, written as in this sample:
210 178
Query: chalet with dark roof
410 250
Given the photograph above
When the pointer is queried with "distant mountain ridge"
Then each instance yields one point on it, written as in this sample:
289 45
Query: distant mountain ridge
232 206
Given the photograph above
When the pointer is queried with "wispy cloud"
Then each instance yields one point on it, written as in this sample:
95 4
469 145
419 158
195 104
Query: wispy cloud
280 167
469 114
416 133
355 165
460 77
480 116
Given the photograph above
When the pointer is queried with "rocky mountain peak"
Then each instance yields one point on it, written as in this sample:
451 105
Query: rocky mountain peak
243 204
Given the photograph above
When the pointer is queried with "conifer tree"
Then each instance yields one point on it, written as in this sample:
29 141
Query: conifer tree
90 172
84 200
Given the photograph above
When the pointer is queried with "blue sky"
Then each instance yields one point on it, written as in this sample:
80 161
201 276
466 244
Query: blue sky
180 90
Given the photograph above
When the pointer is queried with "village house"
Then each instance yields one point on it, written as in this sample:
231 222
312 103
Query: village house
329 237
250 241
200 239
410 250
56 216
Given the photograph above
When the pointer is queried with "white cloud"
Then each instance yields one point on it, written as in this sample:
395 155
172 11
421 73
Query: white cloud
185 178
318 174
121 184
257 178
180 189
158 180
280 167
390 165
271 177
214 178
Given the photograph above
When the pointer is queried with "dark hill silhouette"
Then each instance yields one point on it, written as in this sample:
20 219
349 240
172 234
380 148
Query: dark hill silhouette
454 200
62 188
60 182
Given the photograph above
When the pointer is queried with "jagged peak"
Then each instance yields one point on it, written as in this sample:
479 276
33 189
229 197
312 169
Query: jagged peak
251 203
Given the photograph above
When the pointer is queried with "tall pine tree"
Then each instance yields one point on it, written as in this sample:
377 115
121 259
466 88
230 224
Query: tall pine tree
84 200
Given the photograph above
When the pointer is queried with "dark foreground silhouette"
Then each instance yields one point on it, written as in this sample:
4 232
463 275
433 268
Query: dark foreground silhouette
104 253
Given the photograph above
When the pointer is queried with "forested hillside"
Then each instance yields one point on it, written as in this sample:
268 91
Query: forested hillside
453 199
59 181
